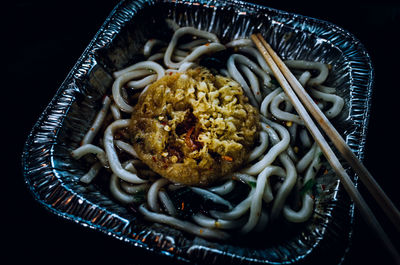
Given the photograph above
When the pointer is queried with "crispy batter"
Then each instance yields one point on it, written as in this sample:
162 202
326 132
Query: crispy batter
193 127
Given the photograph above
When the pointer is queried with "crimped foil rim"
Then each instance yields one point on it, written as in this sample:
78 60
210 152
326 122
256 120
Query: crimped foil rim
59 199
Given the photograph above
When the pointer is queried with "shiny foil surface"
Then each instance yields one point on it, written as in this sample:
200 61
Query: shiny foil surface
53 176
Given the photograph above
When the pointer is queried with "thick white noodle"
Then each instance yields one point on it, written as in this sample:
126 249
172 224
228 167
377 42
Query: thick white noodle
98 121
181 53
267 101
152 195
314 166
283 115
185 66
92 173
209 47
286 187
138 84
126 147
305 161
239 43
272 153
337 102
235 59
120 194
193 44
141 69
305 138
90 149
307 65
118 190
181 58
211 223
243 177
326 89
304 77
306 209
252 78
129 73
134 188
149 45
293 134
224 188
260 59
237 211
257 199
131 188
211 196
291 174
260 149
303 214
166 201
112 155
156 56
115 111
196 53
182 225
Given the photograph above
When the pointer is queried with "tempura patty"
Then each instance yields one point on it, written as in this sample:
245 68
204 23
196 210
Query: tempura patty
193 127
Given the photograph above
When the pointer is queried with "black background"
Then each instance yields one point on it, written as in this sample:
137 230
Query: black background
43 40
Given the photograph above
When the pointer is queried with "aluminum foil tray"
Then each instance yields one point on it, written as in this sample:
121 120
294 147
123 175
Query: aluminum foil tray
53 176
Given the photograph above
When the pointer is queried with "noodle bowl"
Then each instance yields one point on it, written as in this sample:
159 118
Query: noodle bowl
282 161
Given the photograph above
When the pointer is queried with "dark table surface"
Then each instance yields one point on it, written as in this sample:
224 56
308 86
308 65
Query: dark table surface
43 40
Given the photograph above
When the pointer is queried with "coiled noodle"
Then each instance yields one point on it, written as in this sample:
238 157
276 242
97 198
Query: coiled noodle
284 159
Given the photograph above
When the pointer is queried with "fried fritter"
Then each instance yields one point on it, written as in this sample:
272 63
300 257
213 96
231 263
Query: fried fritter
194 127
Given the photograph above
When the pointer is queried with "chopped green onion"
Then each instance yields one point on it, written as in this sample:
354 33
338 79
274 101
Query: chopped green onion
252 184
307 186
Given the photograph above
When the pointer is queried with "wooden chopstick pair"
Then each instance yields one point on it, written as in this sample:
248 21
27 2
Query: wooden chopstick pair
294 91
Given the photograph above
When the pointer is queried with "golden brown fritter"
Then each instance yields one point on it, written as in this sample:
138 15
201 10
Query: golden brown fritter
193 127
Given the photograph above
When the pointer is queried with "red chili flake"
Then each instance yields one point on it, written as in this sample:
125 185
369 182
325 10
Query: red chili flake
154 158
170 73
191 143
182 206
227 158
323 186
207 44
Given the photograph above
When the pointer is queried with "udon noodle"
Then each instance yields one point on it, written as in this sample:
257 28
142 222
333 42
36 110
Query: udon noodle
275 181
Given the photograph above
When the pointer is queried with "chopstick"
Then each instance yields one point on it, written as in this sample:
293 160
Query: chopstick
373 187
290 84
